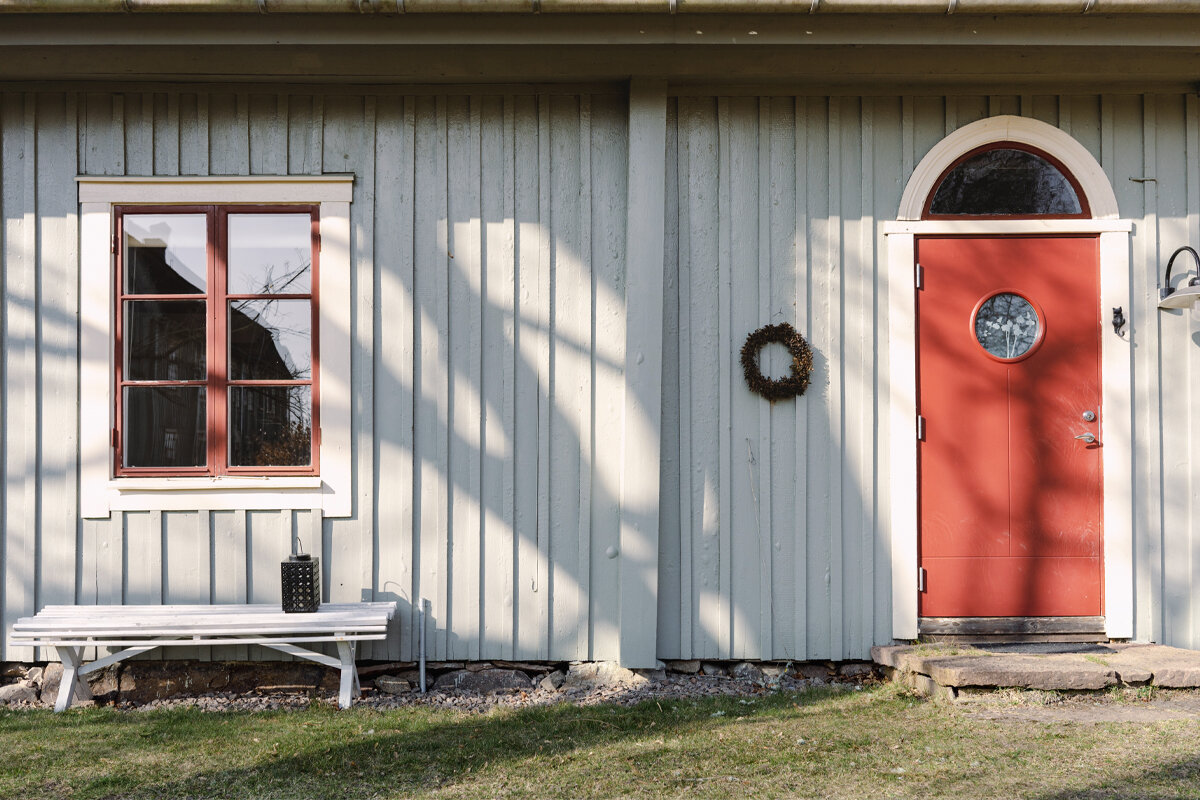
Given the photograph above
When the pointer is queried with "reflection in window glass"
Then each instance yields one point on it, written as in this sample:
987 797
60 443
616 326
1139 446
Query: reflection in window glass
270 340
165 253
1005 182
164 340
270 426
164 426
270 254
1007 325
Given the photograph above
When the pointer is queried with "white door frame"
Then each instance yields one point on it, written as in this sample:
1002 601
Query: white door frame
1116 424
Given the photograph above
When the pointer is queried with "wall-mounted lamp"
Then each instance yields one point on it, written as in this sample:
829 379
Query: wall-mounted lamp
1185 296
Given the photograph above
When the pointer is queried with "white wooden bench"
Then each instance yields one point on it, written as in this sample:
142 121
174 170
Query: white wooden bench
139 629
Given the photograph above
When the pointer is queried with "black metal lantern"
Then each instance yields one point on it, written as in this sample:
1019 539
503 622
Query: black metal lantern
301 583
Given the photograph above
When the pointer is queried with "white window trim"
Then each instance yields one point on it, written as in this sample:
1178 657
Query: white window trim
100 492
1116 392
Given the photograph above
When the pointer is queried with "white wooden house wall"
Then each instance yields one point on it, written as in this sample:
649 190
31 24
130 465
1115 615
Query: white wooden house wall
488 477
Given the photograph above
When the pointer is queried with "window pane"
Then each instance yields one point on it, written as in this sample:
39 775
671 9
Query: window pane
165 253
164 340
270 426
270 340
164 426
1007 326
1005 182
270 254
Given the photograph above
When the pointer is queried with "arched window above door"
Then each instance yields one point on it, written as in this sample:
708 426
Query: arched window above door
1005 179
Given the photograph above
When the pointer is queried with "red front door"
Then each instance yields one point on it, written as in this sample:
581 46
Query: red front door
1009 376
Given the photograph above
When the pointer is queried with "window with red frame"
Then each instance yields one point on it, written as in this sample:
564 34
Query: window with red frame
216 337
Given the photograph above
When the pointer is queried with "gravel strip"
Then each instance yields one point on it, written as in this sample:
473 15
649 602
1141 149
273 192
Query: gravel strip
672 687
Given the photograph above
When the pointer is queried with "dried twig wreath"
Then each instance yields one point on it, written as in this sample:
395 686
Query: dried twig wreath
781 388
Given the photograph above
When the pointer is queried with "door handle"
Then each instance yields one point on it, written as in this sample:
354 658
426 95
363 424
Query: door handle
1090 438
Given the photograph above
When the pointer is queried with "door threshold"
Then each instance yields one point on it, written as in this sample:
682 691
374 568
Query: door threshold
998 629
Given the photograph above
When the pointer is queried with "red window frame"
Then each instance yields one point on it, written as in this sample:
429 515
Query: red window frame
216 381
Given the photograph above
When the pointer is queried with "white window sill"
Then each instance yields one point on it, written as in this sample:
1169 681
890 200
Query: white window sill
225 493
215 484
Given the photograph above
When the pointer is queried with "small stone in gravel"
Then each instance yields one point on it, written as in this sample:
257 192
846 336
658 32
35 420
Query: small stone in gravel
714 670
392 685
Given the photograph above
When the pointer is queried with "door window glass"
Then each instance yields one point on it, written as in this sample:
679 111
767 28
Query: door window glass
1007 325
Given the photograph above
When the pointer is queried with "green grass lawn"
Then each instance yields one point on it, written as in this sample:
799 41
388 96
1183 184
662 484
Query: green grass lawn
874 743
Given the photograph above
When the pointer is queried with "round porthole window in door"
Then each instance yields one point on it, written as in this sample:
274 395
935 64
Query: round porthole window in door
1007 326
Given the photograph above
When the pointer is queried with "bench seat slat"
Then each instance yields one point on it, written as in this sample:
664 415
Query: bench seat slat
135 624
83 642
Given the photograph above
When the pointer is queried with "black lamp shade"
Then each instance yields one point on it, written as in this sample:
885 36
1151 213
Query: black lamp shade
301 583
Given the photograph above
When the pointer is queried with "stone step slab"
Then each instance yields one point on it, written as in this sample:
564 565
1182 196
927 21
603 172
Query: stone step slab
1065 667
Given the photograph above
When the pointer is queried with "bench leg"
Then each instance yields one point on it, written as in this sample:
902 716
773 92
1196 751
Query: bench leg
349 687
72 681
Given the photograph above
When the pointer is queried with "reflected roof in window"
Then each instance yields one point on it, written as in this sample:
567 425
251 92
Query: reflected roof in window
1003 181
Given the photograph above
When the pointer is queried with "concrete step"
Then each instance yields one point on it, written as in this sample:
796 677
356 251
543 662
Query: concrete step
943 670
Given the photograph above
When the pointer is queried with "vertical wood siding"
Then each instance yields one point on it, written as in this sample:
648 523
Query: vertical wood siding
489 349
488 238
774 535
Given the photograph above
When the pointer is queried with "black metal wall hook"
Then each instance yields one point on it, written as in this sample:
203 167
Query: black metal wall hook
1167 290
1118 319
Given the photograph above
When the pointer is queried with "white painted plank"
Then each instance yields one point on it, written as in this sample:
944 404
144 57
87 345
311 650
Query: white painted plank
193 134
746 530
783 492
670 593
609 176
498 376
707 370
798 566
431 380
138 133
1171 190
528 374
542 287
643 373
464 339
268 133
229 134
59 567
186 558
727 370
570 348
18 254
166 134
228 582
822 461
581 325
763 472
394 363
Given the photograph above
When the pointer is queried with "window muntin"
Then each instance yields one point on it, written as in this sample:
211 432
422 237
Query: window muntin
217 381
1006 180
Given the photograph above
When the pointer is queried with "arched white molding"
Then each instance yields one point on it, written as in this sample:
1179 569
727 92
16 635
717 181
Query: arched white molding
1022 130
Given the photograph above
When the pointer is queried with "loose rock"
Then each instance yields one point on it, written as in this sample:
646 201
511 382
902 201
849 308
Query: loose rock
713 670
602 674
392 684
486 682
16 693
553 682
690 667
747 671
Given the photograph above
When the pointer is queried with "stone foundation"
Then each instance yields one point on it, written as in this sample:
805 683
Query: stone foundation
143 681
